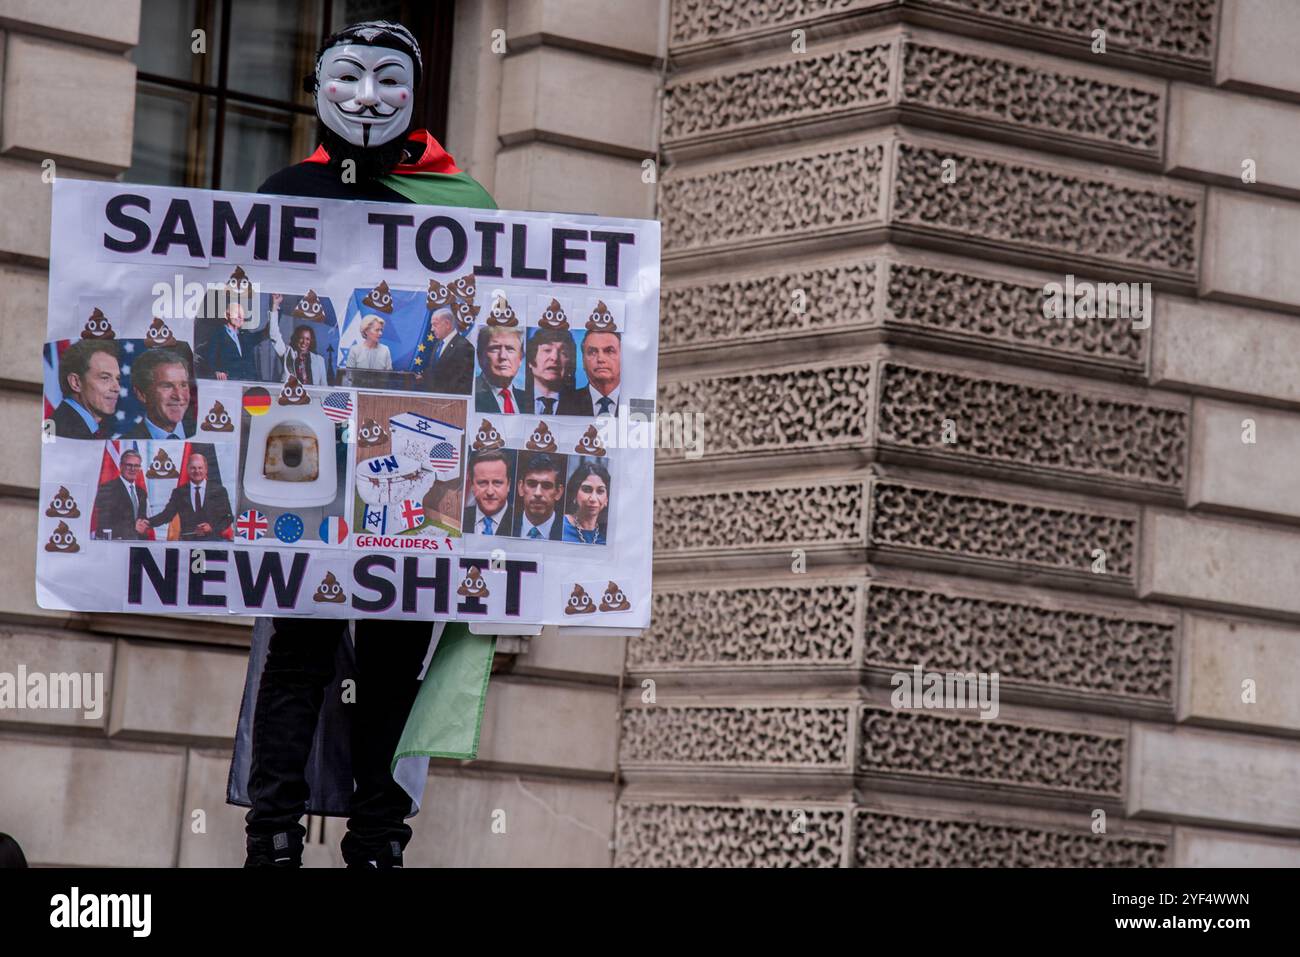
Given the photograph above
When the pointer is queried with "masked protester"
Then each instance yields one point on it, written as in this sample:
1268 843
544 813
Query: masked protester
365 81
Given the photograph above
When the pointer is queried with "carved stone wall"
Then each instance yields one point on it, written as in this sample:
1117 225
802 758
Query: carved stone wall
905 840
913 466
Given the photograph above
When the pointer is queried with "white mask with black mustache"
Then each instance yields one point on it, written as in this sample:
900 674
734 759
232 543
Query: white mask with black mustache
366 93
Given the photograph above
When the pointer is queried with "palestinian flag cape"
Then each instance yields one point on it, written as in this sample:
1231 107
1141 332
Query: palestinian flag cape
447 716
433 179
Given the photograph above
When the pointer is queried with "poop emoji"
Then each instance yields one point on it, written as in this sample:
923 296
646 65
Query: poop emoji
473 586
379 298
238 283
502 315
98 327
217 419
589 444
62 540
293 393
162 466
488 438
309 308
329 590
463 287
553 317
614 599
542 439
466 313
579 602
62 505
439 295
371 433
601 319
158 335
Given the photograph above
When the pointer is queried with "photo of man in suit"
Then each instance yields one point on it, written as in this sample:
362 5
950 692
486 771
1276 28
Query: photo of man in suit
230 351
91 382
500 353
204 507
552 357
487 511
161 381
539 491
121 503
602 359
448 359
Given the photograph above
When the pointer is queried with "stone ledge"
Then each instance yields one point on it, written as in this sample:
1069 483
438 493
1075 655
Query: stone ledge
1167 37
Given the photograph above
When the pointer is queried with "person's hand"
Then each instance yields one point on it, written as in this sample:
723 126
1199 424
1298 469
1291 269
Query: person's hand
276 299
141 526
203 528
220 375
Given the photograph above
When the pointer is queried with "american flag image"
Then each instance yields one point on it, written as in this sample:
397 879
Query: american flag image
444 455
338 406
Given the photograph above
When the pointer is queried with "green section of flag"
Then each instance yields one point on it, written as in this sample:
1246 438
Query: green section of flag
441 189
448 712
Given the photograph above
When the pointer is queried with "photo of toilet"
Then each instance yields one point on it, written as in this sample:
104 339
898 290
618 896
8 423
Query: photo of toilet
293 462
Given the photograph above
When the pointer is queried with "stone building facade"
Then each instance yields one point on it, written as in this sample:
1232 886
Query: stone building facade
905 462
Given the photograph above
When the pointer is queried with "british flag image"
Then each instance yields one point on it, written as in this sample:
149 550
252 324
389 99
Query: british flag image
251 525
412 514
338 406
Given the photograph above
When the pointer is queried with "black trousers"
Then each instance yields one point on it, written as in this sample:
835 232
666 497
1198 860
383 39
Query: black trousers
299 666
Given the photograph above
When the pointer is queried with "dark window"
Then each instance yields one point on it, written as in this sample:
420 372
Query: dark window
224 108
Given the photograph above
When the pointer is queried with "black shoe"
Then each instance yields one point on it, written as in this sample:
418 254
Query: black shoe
277 850
387 858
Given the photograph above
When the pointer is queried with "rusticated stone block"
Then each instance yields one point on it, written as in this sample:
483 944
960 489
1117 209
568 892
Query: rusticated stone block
775 736
1205 776
1212 133
727 835
928 746
772 200
1255 353
1045 212
1197 847
909 840
918 521
1056 649
1231 564
1221 655
793 89
1005 315
1033 428
771 626
766 518
705 313
1018 96
817 408
1256 47
1245 458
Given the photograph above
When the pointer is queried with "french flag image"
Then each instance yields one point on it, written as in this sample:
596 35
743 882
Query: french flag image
333 531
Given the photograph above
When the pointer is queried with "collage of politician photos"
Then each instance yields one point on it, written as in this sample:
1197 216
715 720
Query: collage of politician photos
533 367
533 494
